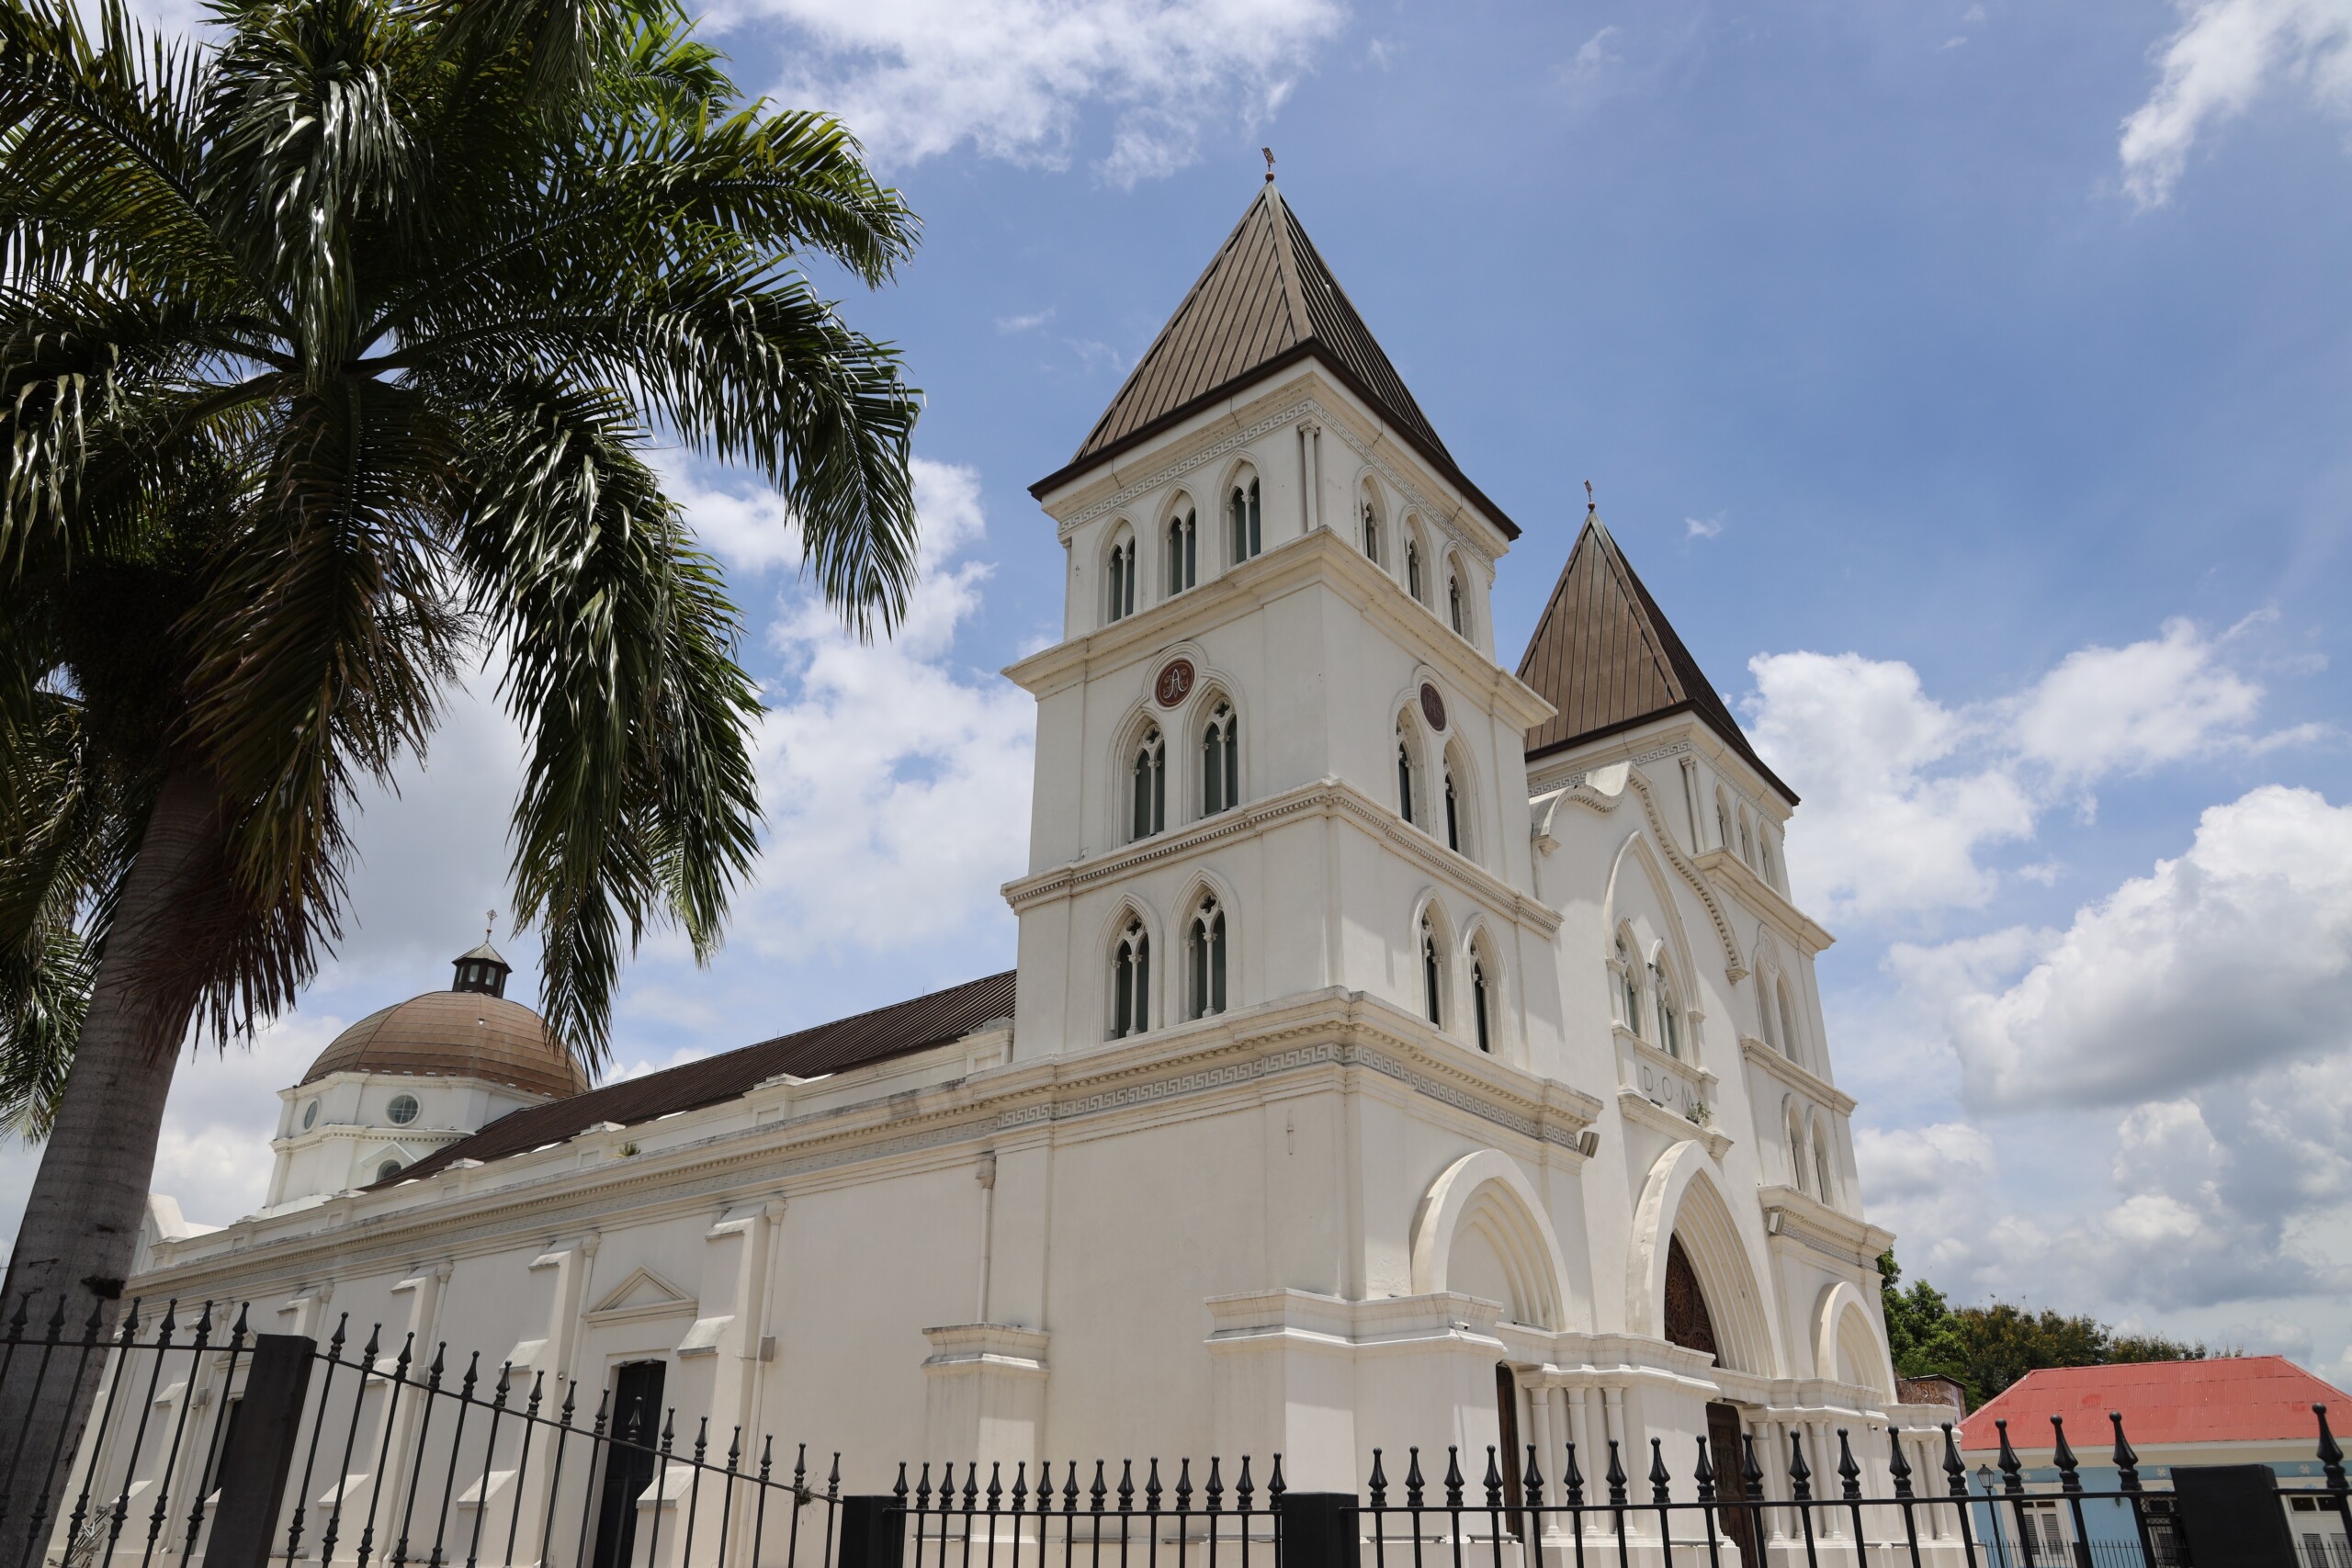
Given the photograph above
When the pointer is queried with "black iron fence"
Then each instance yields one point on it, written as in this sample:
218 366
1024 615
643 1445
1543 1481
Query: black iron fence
207 1441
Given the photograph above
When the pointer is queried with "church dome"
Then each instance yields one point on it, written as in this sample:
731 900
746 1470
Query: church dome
471 1031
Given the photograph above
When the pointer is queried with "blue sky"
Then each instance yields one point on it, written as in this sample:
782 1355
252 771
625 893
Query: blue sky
1971 383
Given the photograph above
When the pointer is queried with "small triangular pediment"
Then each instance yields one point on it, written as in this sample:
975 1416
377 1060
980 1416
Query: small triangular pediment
643 1295
1606 658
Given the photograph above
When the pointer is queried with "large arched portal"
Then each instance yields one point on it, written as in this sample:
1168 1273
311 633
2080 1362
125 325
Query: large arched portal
1692 1265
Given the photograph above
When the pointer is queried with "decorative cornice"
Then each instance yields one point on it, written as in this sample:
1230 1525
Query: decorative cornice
1798 1216
1794 1077
1636 1107
1592 789
1792 923
1324 797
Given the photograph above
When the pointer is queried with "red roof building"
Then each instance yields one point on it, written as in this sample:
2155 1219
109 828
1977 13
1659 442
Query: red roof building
2166 1405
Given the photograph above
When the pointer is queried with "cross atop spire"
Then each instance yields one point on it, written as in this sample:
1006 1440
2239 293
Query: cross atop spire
1270 164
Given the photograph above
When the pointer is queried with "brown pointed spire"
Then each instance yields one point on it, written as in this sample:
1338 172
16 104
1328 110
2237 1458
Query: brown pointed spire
1605 655
1266 302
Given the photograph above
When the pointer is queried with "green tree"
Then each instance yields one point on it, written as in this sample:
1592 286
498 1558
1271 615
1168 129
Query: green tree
331 351
1989 1347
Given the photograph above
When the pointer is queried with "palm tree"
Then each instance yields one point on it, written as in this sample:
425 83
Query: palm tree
332 355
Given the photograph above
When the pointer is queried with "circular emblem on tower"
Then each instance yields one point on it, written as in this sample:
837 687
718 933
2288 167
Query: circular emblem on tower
1432 706
1175 682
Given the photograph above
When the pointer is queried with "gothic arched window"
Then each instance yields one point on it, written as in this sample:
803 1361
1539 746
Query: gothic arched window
1454 811
1122 575
1433 974
1241 510
1220 762
1404 775
1787 1008
1669 1013
1796 1151
1150 768
1183 552
1413 568
1131 982
1747 841
1454 613
1723 821
1479 1005
1629 983
1823 1189
1205 959
1767 1004
1372 533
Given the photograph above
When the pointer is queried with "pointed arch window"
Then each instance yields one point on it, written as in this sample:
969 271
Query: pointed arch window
1454 811
1131 982
1205 960
1413 568
1823 1187
1669 1013
1767 1009
1764 859
1433 974
1454 612
1242 512
1149 771
1629 984
1797 1172
1788 1010
1746 842
1371 534
1404 775
1220 761
1184 551
1480 1005
1122 579
1722 822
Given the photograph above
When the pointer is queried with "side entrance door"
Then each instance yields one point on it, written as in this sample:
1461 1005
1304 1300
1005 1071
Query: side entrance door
1722 1443
629 1459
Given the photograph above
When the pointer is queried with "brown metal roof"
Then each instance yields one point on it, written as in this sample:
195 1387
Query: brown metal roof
1266 302
456 1035
893 1031
1606 657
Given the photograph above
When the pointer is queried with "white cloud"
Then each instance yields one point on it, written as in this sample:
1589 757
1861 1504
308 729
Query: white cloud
897 784
2232 957
2227 54
1881 832
1905 795
1704 527
1911 1162
2125 709
915 78
1009 325
1596 54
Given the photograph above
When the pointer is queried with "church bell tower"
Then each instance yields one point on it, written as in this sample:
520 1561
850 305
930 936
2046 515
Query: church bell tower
1277 763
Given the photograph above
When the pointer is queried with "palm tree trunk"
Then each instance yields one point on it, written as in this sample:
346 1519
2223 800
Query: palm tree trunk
81 1224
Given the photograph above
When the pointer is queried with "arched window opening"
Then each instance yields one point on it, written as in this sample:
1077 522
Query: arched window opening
1453 814
1405 776
1764 860
1688 1322
1823 1188
1629 984
1796 1153
1220 762
1479 1005
1241 516
1766 1007
1455 614
1150 778
1413 568
388 1170
1433 974
1669 1013
1206 942
1122 579
1788 1010
1370 532
1131 982
1183 552
1722 822
1746 843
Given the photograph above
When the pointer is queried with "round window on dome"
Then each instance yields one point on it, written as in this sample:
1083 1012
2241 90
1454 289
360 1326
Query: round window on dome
309 1115
390 1167
403 1109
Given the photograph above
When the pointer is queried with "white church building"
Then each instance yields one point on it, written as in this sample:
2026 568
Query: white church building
1401 1048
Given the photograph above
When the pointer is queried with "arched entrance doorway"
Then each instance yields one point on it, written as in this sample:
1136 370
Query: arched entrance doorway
1689 1324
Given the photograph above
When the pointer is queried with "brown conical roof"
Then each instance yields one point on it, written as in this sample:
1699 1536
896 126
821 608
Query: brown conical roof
1606 657
456 1035
1266 301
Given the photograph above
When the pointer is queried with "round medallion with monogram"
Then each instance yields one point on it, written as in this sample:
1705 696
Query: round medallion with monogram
1432 706
1175 682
